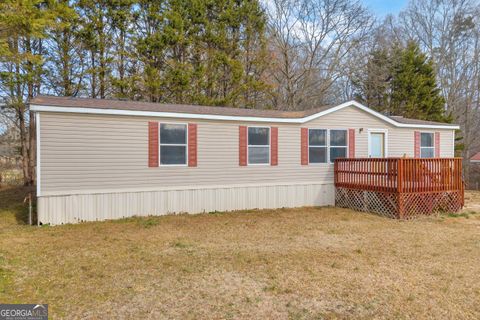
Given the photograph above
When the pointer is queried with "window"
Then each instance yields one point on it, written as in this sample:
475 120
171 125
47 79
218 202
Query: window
338 144
258 145
427 148
326 145
173 144
317 146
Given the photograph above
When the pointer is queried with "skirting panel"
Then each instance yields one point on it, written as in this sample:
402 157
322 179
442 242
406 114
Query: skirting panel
399 205
102 206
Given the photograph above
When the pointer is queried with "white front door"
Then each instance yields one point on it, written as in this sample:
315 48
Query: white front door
377 145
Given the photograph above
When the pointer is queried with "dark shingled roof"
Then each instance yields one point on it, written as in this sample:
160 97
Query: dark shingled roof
193 109
400 119
162 107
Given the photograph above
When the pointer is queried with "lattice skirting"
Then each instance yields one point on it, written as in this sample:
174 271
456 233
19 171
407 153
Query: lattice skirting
428 203
394 205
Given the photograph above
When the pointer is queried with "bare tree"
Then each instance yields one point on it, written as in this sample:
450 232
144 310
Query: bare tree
449 31
311 41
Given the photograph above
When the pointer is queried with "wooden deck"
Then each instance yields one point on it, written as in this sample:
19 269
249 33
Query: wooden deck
400 187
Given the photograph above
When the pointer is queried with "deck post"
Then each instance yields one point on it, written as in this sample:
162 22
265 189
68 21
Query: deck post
335 172
399 192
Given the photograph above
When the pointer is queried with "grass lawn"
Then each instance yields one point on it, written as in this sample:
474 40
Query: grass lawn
307 263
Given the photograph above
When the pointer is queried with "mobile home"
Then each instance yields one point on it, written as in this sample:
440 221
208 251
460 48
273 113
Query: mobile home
108 159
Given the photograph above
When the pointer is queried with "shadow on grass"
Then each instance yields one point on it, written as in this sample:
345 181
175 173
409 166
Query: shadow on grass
12 203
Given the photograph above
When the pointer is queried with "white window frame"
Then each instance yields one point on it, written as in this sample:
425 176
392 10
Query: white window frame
260 146
330 146
173 145
327 145
385 142
432 147
327 135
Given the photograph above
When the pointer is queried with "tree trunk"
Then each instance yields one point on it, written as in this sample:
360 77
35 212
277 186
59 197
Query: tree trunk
32 148
23 145
93 83
20 109
29 138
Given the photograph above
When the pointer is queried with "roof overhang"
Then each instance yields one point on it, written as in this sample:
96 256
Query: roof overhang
177 115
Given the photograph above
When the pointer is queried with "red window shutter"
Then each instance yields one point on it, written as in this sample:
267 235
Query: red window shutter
192 145
274 146
153 144
304 146
437 144
351 143
242 146
417 144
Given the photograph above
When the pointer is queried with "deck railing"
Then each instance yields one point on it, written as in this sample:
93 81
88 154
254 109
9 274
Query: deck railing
401 179
401 175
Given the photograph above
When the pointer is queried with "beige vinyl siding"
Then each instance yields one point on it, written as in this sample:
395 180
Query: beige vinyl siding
400 143
102 154
83 153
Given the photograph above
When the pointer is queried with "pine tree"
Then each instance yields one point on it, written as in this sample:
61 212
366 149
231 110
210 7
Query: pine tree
374 85
184 24
401 81
255 56
209 52
64 59
414 89
95 32
123 65
150 48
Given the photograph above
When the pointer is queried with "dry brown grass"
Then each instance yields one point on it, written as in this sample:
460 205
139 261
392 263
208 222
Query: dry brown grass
472 201
306 263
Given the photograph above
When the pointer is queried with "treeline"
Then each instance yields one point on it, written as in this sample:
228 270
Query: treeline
180 51
277 54
211 52
401 81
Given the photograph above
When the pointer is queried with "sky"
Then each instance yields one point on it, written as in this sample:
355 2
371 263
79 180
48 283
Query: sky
384 7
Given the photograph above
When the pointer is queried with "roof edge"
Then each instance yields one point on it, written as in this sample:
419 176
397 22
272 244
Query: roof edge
46 108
